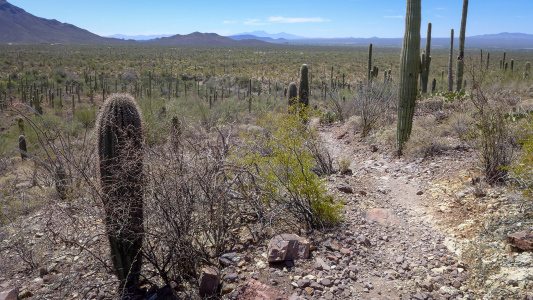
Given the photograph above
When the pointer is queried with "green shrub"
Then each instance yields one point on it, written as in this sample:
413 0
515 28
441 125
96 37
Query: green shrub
522 169
277 155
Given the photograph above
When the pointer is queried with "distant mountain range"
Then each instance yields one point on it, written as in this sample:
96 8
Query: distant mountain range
204 39
274 36
138 37
20 27
502 40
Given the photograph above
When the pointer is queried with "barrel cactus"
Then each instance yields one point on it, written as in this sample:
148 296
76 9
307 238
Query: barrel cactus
120 159
409 73
303 93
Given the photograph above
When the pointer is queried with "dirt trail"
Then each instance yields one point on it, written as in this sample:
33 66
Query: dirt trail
407 257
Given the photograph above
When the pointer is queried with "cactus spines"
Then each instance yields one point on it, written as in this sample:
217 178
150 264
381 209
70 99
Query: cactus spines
450 65
303 93
370 62
61 182
292 96
409 73
425 73
460 58
120 158
22 147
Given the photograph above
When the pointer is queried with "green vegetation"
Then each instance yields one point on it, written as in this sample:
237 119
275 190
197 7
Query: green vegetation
280 157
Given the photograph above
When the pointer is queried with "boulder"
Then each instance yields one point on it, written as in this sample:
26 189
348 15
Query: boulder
209 281
9 295
287 247
523 240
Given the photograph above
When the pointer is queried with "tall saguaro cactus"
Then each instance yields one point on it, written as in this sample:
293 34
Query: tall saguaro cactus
409 72
303 93
370 63
460 58
425 74
450 65
120 159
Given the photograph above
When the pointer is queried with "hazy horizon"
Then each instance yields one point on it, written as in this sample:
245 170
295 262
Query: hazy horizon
314 19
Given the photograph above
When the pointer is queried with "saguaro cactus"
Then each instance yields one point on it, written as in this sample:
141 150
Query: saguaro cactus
120 159
527 71
370 62
303 93
425 74
292 97
22 147
409 72
450 65
460 58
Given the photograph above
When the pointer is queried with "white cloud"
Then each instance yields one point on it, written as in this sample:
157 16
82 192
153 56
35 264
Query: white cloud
393 17
254 22
296 20
229 22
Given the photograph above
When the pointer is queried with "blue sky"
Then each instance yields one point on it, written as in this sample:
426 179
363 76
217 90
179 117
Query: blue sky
310 18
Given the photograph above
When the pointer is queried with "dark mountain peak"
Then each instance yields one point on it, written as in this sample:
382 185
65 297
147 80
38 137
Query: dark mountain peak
10 8
21 27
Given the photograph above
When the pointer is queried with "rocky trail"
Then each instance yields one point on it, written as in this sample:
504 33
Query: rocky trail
407 224
413 229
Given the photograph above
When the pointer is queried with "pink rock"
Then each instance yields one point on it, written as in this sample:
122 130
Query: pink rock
287 247
255 290
209 281
9 295
346 251
333 258
522 240
382 216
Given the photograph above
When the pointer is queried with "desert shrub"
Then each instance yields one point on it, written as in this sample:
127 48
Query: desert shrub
427 138
344 165
522 169
371 103
494 140
461 123
278 157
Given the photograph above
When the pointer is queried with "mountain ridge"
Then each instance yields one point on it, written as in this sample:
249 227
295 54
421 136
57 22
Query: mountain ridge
21 27
204 39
